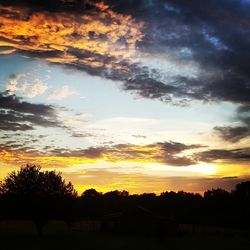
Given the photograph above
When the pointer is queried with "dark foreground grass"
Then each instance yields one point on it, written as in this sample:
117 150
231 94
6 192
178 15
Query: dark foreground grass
57 236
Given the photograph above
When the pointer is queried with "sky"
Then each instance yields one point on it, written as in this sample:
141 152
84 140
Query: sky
136 95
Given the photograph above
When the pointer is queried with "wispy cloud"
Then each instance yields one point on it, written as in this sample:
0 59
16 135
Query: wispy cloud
6 50
63 92
23 85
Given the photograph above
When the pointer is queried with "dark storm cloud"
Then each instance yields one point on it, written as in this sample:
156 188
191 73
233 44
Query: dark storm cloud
54 5
234 155
213 33
171 50
16 114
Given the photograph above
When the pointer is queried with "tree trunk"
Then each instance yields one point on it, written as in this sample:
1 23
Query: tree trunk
39 226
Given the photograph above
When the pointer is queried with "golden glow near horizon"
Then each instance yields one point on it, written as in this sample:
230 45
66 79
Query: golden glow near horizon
122 174
127 167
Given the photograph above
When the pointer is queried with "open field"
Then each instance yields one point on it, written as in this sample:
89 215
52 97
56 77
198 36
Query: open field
23 235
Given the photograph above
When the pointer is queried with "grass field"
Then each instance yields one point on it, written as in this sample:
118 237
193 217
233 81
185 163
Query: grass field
23 235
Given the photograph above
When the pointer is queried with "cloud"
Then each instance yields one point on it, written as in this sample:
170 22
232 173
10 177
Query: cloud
82 135
237 133
232 134
187 32
16 114
140 136
167 153
20 84
96 32
5 50
164 153
61 93
15 103
173 51
234 155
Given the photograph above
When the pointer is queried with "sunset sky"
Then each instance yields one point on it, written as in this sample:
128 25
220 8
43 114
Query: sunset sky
141 95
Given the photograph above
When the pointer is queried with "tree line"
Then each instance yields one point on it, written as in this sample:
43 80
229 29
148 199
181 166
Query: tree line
40 196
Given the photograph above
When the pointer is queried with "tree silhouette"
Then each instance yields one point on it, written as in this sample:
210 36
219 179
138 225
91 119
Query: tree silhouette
243 191
91 194
1 188
242 202
38 195
217 196
31 181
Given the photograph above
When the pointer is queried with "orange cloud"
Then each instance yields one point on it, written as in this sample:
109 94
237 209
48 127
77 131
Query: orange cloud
103 33
137 168
167 153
